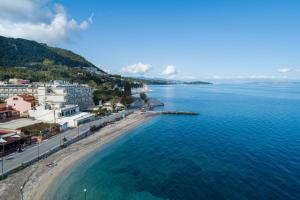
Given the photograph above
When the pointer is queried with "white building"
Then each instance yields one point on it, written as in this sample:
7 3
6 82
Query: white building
61 114
120 107
108 106
61 92
57 92
10 90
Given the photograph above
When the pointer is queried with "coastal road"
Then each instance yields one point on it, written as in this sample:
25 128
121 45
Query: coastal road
14 160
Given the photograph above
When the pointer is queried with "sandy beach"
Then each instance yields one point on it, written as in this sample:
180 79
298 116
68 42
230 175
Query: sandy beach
37 179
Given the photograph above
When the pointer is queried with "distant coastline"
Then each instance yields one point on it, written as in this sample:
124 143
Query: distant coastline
157 81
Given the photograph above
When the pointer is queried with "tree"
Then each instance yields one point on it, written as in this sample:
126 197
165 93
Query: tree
113 104
126 100
127 89
92 84
101 111
143 96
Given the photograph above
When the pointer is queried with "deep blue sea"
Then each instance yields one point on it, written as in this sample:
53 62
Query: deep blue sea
245 144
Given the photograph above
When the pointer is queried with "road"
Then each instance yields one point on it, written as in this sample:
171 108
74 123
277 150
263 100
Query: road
14 160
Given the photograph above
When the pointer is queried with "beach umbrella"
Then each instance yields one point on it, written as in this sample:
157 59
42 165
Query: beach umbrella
2 140
16 136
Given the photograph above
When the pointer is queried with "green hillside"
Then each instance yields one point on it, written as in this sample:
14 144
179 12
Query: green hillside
27 53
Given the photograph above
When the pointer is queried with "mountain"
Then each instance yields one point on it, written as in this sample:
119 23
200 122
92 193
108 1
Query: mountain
27 53
197 83
37 62
162 81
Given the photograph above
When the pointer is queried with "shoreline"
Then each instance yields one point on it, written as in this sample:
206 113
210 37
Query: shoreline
38 179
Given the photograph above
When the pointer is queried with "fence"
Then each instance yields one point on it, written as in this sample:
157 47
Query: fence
80 136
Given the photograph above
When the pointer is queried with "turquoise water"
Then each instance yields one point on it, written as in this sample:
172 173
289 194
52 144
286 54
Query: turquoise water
244 145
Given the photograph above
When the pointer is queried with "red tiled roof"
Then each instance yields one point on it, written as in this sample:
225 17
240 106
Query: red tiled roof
26 96
4 132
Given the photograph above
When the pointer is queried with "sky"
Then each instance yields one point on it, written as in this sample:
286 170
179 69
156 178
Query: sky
186 39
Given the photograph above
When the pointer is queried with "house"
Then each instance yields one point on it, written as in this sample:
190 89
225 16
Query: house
77 119
18 81
11 141
22 102
120 106
108 106
61 114
7 112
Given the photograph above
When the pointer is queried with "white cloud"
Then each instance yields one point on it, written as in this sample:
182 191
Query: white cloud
39 20
169 71
284 70
138 68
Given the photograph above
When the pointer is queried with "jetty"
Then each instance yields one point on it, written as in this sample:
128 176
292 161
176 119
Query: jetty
177 113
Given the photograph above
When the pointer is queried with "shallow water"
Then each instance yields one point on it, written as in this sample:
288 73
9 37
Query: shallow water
245 144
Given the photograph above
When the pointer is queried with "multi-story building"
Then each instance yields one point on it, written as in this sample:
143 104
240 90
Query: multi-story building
61 92
57 92
9 90
61 114
18 81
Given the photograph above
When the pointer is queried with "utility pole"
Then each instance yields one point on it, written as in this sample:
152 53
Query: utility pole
39 146
21 190
85 191
78 131
38 150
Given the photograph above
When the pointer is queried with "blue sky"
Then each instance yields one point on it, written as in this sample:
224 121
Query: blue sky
196 39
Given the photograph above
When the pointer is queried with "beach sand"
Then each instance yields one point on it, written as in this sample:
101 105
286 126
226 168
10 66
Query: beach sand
38 178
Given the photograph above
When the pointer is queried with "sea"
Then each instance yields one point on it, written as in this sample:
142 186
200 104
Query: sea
245 144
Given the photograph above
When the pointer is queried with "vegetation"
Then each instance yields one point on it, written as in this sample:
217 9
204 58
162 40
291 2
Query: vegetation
21 52
46 73
41 129
126 100
105 94
166 81
106 87
25 59
100 111
198 83
143 96
20 58
93 128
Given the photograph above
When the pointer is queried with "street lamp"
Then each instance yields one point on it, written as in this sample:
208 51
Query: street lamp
2 141
38 150
21 190
85 191
38 147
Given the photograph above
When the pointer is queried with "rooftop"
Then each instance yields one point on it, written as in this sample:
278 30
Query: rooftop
18 123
